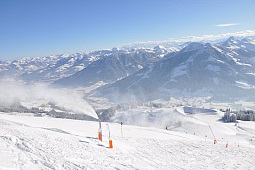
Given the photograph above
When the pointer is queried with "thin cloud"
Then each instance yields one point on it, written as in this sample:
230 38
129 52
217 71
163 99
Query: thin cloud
226 25
151 44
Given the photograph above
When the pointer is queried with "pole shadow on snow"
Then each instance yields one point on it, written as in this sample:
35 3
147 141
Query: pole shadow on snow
57 130
95 140
89 137
83 141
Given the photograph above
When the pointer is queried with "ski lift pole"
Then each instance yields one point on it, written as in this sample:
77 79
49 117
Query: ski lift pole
108 128
121 129
213 135
110 140
237 137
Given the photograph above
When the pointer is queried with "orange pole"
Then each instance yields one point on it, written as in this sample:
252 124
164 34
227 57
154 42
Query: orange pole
100 134
110 143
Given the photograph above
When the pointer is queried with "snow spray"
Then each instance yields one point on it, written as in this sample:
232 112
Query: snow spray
110 140
100 131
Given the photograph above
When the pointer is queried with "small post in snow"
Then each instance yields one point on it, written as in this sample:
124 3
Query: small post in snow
227 144
121 129
110 140
100 131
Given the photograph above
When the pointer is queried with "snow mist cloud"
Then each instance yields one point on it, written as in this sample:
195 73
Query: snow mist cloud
36 95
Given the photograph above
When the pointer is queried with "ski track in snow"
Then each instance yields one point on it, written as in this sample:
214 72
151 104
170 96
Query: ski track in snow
47 143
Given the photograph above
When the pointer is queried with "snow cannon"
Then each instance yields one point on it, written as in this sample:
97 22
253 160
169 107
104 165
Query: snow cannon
110 144
100 131
110 140
100 134
213 135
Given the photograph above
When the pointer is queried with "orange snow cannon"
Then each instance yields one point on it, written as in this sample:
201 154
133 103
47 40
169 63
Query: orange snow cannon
110 140
110 143
100 134
100 131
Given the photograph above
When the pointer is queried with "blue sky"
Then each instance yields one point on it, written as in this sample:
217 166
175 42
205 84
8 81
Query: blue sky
32 28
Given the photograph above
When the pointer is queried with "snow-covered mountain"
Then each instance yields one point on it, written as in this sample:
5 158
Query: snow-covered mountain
219 69
47 68
115 66
54 67
222 71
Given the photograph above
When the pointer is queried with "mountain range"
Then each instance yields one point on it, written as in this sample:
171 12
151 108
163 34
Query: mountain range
55 67
223 70
45 69
111 68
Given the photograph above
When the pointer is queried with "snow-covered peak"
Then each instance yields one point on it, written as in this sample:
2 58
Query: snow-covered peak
232 39
232 43
248 41
115 49
193 46
159 47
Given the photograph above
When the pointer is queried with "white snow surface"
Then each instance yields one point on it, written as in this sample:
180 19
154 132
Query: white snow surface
48 143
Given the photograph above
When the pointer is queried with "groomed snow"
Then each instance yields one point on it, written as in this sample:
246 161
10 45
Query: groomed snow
50 143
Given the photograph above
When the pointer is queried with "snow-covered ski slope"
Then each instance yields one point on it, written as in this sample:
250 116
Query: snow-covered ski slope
28 142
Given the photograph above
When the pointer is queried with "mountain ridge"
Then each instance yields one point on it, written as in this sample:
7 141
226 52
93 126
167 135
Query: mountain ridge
198 69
